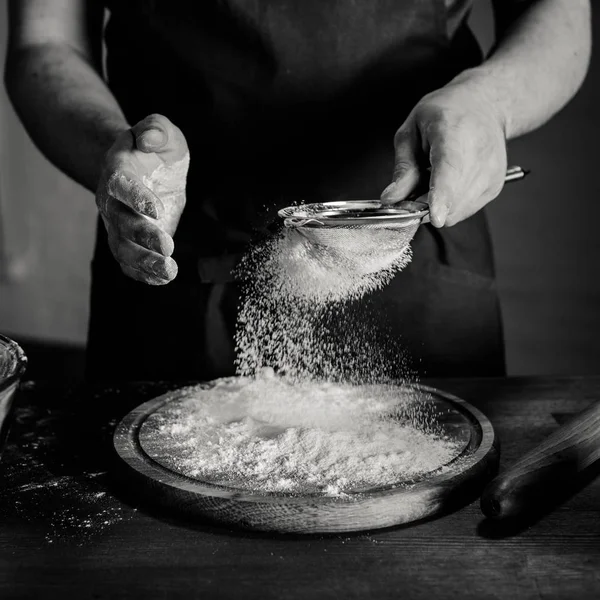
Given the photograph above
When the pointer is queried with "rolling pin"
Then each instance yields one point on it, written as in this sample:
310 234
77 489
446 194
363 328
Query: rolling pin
551 468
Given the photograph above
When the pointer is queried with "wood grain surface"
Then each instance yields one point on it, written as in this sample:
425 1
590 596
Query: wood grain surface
437 492
69 531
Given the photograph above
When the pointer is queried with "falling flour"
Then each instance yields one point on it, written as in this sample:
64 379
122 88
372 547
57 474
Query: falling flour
316 407
305 311
359 262
266 434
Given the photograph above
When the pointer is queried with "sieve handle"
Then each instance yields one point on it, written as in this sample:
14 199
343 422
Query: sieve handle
514 173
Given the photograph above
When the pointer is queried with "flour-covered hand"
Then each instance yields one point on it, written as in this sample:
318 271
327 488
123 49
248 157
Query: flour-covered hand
457 132
141 196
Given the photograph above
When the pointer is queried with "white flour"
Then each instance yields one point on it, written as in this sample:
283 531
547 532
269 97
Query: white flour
168 183
307 314
266 434
330 422
73 509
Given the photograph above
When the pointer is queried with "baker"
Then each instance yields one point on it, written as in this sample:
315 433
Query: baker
275 102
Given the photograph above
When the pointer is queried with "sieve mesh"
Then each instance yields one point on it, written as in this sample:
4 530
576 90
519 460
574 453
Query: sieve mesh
362 249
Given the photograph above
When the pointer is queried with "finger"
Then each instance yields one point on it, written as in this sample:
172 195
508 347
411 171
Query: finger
143 276
128 189
157 134
131 255
406 175
141 231
446 182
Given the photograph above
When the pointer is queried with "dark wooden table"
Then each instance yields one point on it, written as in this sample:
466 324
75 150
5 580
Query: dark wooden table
67 529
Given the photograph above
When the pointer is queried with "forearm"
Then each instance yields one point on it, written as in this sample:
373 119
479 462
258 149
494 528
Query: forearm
538 65
66 107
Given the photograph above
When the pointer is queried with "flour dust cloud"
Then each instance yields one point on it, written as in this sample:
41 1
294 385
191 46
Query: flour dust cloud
305 312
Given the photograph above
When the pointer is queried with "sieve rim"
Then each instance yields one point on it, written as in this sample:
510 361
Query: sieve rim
353 213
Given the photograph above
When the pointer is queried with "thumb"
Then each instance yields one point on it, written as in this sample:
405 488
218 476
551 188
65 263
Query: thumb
157 134
406 170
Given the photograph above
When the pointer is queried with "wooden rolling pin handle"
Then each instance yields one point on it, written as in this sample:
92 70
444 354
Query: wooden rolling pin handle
545 471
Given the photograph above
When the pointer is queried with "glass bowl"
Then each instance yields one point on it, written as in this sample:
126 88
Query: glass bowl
12 366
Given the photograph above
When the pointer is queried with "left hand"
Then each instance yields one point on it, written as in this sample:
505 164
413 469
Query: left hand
459 133
141 195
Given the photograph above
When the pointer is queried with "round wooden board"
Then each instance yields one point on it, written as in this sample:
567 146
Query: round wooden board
432 494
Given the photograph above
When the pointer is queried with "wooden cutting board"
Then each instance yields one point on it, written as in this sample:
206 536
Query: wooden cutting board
455 484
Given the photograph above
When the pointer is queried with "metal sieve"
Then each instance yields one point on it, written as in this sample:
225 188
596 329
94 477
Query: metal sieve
335 225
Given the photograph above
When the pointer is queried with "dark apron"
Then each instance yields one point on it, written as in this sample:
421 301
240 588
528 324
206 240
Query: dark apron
284 101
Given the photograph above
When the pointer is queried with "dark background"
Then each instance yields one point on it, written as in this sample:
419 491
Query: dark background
547 248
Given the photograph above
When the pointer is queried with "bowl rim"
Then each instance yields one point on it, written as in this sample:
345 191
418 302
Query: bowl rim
21 359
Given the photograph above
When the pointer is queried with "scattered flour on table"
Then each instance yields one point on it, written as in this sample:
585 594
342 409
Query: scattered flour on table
72 508
267 434
43 481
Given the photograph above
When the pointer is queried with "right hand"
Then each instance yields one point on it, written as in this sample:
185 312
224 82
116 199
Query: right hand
141 195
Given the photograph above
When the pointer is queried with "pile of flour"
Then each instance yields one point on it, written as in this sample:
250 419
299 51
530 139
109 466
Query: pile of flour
267 434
